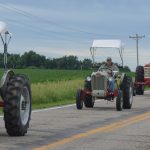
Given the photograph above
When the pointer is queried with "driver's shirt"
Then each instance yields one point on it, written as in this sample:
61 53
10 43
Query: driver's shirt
113 67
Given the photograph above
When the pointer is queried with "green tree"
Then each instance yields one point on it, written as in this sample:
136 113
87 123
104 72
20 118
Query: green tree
87 63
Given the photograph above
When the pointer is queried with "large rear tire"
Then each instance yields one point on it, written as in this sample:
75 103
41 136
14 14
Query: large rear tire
17 105
127 92
79 100
139 77
119 101
89 101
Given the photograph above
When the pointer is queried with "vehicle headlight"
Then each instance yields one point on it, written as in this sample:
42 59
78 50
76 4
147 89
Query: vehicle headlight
88 78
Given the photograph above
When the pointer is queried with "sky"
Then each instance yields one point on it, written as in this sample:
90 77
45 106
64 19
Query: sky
55 28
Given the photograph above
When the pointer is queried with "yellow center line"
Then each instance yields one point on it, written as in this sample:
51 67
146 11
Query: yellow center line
107 128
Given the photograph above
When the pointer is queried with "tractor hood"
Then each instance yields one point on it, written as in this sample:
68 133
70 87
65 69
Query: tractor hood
99 73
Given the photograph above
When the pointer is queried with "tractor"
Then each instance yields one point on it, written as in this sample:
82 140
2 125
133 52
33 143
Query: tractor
142 78
97 85
15 92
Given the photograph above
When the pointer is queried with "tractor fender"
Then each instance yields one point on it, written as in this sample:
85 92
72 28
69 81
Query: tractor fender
4 80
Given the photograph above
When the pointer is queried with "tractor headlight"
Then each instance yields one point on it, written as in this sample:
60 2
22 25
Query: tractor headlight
110 79
88 78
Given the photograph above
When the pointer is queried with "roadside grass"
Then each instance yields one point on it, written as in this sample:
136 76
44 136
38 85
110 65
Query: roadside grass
45 75
55 93
48 94
147 88
131 74
53 87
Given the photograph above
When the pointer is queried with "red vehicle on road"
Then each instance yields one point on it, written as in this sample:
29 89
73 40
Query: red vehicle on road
142 78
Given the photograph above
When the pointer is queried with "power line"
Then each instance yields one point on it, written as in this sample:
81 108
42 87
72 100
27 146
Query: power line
137 38
29 15
25 24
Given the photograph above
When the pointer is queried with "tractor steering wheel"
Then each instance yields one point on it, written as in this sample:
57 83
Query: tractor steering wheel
109 72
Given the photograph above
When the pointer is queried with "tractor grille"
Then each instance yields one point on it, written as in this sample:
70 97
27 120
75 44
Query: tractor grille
147 71
98 82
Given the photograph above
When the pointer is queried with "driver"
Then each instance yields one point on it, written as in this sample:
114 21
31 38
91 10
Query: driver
110 65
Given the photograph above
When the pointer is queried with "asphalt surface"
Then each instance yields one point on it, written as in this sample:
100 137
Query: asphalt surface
99 128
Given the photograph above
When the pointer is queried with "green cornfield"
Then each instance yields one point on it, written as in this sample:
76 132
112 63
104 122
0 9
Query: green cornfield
53 87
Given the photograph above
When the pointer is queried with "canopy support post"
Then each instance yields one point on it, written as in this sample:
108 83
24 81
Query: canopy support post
93 50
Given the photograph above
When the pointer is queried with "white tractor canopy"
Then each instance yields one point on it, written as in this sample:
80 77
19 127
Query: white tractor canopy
115 44
107 44
5 37
4 34
3 28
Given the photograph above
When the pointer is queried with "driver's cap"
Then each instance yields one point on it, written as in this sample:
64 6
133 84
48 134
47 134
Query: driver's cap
108 59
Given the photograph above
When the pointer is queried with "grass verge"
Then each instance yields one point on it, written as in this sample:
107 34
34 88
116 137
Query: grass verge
49 94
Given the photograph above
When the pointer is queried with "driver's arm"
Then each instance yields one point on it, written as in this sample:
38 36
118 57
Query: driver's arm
102 66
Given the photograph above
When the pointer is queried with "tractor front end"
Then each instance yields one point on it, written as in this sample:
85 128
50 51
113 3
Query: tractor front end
99 83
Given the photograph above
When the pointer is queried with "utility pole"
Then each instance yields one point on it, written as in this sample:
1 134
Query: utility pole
137 38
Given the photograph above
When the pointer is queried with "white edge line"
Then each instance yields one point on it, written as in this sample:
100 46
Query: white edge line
59 107
147 91
53 108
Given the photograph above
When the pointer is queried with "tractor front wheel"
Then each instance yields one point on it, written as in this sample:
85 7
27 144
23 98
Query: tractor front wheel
79 100
119 101
17 105
89 101
127 92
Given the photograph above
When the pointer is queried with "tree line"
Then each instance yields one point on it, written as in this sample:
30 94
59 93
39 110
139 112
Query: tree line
33 60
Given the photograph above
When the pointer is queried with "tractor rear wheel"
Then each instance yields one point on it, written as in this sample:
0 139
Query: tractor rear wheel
17 105
119 101
89 101
127 92
139 77
79 100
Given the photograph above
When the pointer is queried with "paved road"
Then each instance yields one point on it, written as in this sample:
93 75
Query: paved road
100 128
